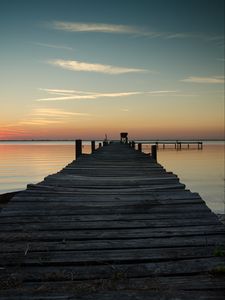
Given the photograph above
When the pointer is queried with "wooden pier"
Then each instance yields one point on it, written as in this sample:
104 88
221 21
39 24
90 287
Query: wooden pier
178 144
111 225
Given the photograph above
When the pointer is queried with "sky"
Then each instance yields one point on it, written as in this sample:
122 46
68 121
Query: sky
82 69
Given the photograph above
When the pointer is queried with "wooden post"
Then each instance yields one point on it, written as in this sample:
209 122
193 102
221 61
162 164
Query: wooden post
92 146
78 148
139 147
178 145
99 145
154 152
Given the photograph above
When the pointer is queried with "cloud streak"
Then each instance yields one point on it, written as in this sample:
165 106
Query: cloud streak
131 30
53 46
208 80
94 27
50 116
79 95
75 65
51 112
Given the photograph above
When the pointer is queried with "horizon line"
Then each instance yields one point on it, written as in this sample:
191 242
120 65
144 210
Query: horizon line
89 140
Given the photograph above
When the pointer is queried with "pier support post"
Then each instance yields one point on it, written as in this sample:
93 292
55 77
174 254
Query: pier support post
179 145
92 146
154 152
78 148
133 144
200 145
139 147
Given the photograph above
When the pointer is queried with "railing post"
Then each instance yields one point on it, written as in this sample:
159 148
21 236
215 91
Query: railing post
154 152
92 146
78 148
139 147
99 145
133 144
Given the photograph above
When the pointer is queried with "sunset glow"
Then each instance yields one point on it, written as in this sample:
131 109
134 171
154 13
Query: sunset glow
75 70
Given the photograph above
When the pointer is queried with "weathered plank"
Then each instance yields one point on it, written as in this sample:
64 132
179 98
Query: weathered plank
105 256
161 287
106 210
105 217
161 242
104 271
77 225
110 234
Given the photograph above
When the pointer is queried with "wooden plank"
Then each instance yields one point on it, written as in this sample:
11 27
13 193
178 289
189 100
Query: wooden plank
98 234
105 189
110 224
146 269
165 287
50 202
107 211
119 295
63 205
154 208
161 242
160 195
105 256
107 217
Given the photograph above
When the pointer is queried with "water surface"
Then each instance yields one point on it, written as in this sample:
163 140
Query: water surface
29 162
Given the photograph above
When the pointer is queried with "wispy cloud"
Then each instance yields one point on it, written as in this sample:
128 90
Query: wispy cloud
78 95
75 65
194 79
52 112
131 30
53 46
95 27
40 122
49 116
161 92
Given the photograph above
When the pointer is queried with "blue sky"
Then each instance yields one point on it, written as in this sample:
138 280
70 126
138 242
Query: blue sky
153 68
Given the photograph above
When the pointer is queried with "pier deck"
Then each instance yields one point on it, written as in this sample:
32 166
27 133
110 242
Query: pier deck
111 225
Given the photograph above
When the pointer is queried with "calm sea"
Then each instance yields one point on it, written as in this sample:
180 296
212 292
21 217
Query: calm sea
201 170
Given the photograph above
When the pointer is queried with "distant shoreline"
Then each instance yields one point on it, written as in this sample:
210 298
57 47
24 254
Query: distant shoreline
141 140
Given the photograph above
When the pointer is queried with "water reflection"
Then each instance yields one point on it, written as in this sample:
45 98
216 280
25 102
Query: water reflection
201 170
